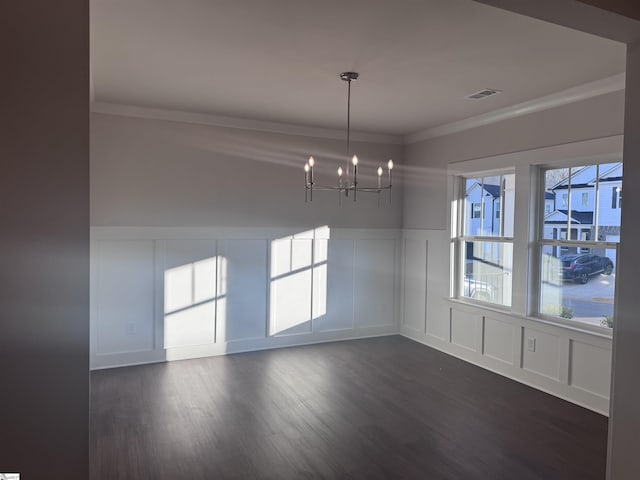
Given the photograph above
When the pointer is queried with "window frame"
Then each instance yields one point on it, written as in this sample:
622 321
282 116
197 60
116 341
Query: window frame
528 210
459 237
538 243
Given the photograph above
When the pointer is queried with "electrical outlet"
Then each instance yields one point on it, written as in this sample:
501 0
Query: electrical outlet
131 328
531 344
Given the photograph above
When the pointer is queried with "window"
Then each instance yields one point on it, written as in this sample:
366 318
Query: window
577 271
485 241
616 197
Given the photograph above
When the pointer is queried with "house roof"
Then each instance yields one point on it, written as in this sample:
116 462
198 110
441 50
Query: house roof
586 176
493 190
577 217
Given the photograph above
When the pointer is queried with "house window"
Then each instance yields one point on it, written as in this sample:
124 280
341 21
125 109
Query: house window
476 210
616 197
485 248
577 271
547 208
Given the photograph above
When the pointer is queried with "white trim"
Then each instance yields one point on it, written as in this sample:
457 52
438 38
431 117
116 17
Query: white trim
241 346
548 385
564 97
239 123
231 233
585 91
596 150
569 325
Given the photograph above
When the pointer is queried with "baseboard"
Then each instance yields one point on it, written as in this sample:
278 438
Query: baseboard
100 362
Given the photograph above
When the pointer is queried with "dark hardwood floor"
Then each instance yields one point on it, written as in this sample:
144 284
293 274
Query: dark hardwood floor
381 408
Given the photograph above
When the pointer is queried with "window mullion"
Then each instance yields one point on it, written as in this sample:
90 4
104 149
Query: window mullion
522 227
596 209
569 205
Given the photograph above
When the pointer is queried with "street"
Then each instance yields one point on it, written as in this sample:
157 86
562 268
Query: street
590 302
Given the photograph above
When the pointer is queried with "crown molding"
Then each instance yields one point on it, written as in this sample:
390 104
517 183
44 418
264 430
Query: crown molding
564 97
574 94
240 123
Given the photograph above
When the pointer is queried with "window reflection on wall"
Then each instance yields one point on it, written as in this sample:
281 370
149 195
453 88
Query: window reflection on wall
298 286
194 301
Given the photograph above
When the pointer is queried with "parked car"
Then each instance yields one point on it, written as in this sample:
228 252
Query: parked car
478 290
579 267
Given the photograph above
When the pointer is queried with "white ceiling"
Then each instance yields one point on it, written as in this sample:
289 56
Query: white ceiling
279 60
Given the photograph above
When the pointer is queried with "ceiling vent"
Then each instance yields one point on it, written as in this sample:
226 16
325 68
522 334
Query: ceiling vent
487 92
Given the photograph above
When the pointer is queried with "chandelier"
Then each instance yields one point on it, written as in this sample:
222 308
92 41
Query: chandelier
347 177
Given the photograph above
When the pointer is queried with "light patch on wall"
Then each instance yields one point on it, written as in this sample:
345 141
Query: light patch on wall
194 302
298 280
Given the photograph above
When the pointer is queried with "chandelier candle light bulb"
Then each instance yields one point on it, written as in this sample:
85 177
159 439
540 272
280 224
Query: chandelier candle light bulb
345 185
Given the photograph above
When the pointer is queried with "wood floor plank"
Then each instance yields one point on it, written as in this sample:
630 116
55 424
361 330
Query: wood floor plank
363 409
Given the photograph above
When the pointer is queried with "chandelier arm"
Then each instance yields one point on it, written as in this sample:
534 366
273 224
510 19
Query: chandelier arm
348 189
373 190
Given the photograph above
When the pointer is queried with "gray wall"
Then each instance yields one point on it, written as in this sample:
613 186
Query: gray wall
624 461
44 239
426 161
159 173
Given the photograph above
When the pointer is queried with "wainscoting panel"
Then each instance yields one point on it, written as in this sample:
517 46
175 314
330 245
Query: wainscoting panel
415 284
291 286
124 296
374 275
499 340
339 284
244 289
172 293
565 361
465 327
543 355
189 275
590 367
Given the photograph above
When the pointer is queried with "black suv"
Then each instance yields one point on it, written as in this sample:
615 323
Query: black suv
579 267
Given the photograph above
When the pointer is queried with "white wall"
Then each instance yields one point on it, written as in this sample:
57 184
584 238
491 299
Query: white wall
161 293
567 362
213 220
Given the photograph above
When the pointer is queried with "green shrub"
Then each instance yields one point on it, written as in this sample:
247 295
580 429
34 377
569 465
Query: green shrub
558 311
607 321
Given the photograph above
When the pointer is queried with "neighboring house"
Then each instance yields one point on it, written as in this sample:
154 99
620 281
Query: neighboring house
580 199
489 211
484 204
549 202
